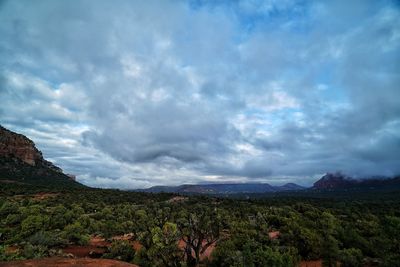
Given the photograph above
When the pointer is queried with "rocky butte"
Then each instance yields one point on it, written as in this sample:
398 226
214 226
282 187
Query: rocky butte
21 147
333 180
21 161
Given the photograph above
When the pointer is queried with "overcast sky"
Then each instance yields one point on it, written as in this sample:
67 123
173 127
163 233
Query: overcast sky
131 94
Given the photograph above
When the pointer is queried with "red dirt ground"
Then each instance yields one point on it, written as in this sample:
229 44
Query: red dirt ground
38 196
12 249
60 262
128 237
98 241
98 245
42 196
203 256
317 263
274 235
136 245
84 251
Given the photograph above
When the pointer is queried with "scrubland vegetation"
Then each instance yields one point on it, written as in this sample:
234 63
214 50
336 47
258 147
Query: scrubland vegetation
168 231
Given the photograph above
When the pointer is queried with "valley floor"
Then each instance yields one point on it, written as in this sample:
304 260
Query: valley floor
93 226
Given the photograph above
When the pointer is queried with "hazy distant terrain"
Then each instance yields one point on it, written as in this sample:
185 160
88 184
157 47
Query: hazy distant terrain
223 188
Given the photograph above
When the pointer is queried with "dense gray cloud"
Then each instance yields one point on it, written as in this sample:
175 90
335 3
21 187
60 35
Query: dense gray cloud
131 93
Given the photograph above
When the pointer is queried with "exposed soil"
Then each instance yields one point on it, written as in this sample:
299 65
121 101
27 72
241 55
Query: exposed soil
177 199
317 263
11 250
98 246
207 253
85 251
90 254
61 262
42 196
274 235
38 196
98 241
126 237
136 245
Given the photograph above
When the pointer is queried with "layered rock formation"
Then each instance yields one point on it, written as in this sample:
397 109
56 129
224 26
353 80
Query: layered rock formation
21 162
21 147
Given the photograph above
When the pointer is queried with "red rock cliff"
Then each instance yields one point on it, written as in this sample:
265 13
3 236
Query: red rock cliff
21 147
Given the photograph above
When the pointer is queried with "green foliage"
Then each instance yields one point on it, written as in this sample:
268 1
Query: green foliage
391 260
307 240
226 255
33 223
6 256
164 250
76 234
35 251
348 230
253 254
199 229
60 217
120 250
268 257
30 177
351 257
8 208
330 251
46 239
13 219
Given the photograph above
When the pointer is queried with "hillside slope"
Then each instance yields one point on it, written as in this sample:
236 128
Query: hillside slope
338 181
21 162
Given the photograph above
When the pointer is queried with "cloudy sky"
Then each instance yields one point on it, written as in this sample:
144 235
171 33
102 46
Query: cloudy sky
131 94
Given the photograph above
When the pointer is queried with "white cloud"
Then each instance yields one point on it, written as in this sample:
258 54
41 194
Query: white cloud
131 94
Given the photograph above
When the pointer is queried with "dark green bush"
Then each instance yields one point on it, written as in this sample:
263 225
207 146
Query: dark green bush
46 239
120 250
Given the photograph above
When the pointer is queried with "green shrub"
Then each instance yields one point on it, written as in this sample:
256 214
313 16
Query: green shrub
351 257
34 252
76 234
45 239
33 224
4 256
272 258
120 250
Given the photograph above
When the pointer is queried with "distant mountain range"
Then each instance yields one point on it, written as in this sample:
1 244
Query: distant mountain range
330 181
229 188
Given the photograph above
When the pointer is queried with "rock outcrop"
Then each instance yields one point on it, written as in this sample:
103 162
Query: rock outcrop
22 163
19 146
333 180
